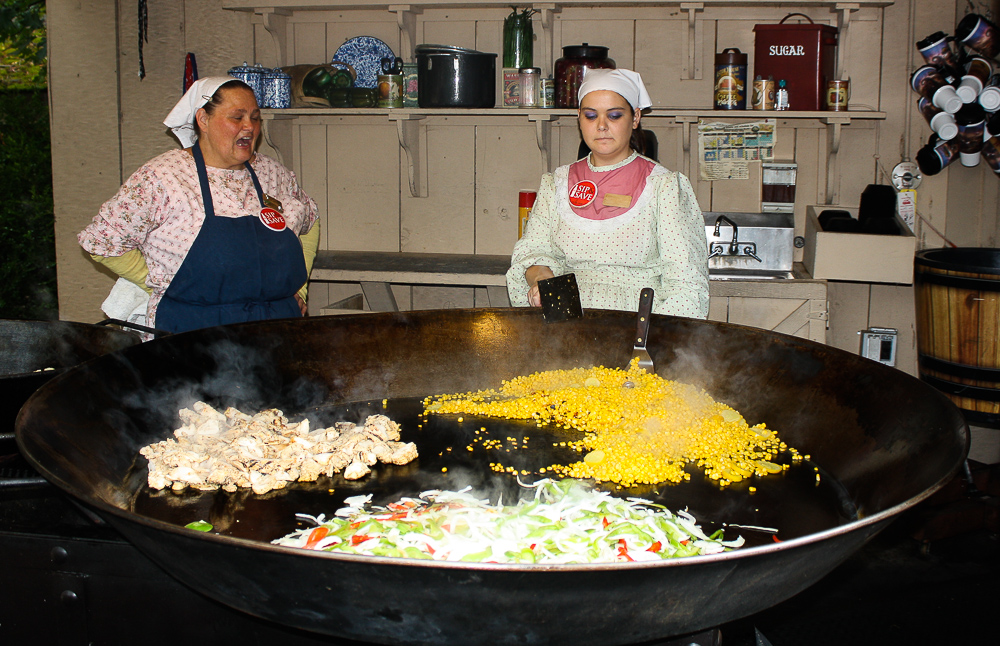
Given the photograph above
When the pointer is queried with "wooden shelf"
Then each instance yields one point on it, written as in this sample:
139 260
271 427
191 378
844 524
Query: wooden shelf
558 113
322 5
375 271
411 128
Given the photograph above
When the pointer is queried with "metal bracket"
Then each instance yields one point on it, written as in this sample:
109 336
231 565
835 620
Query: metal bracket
412 134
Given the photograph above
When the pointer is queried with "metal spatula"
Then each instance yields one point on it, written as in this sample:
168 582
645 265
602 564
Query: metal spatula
560 298
642 330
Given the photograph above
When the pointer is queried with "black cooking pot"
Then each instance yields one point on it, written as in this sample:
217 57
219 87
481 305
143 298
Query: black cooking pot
455 77
33 352
880 441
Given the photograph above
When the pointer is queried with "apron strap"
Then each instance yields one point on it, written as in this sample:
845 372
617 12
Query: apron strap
206 190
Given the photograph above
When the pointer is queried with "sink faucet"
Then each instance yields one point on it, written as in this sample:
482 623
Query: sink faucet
734 246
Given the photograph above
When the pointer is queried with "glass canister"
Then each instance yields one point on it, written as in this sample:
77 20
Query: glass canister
252 75
277 89
530 96
569 70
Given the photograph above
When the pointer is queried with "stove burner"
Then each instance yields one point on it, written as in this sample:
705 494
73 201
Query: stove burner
16 473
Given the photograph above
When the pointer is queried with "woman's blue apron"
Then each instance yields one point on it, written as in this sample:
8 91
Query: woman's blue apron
237 270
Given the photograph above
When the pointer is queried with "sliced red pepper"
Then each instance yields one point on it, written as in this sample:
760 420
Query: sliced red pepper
359 538
316 536
655 547
605 522
532 546
399 515
775 538
430 550
623 549
685 542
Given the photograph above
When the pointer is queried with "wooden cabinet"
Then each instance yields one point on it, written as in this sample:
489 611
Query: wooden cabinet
795 307
446 181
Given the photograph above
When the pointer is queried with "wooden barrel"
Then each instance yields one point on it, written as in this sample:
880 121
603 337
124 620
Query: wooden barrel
958 328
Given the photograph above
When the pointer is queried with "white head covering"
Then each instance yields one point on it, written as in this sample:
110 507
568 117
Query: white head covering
625 82
181 118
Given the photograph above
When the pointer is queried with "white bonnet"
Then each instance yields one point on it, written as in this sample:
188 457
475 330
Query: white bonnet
181 118
625 82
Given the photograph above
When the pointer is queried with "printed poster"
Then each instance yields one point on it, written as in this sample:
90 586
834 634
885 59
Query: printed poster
726 150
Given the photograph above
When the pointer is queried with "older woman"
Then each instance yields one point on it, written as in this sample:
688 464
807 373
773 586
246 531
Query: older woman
616 219
215 232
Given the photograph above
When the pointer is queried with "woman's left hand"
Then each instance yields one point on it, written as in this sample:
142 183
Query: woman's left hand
302 305
534 274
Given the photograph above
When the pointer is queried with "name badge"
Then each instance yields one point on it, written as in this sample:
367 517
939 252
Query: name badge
271 219
273 202
583 193
613 199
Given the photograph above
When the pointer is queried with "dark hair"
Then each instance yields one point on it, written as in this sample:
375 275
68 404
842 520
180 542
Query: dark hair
637 141
216 99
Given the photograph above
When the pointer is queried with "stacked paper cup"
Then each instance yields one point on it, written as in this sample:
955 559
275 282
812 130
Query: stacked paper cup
959 95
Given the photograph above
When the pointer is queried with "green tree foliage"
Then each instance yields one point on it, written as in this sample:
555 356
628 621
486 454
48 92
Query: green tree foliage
27 250
22 44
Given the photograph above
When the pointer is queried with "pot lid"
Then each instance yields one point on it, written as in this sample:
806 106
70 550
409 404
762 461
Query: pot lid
246 68
585 50
448 49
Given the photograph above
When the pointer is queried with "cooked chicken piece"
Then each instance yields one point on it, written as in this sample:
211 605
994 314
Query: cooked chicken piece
234 450
403 453
356 470
382 428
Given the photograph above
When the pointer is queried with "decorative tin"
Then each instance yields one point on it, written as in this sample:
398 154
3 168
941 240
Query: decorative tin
731 80
390 90
547 93
511 87
838 93
763 94
410 97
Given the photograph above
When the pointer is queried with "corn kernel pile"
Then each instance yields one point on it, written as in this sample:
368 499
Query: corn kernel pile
638 428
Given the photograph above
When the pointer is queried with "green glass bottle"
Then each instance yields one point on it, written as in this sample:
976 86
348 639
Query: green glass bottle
518 38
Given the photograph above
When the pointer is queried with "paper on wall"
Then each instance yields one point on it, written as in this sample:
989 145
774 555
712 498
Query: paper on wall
726 150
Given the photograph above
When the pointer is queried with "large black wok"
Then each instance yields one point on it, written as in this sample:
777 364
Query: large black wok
881 440
33 352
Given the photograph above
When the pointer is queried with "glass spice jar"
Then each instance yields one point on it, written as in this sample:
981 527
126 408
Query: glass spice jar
530 86
569 70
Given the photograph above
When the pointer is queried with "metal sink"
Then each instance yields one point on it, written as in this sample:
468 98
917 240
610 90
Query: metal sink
748 274
749 246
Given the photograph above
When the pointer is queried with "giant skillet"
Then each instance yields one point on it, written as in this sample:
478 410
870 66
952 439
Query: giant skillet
33 352
881 439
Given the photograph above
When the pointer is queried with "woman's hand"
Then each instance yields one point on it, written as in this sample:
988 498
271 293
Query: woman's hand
534 274
302 305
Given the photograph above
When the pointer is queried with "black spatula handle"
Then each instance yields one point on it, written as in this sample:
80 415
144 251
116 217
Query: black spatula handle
642 321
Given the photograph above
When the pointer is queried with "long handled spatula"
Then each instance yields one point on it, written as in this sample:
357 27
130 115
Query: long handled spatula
642 330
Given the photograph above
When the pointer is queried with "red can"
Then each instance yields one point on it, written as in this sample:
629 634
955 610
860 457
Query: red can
525 200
